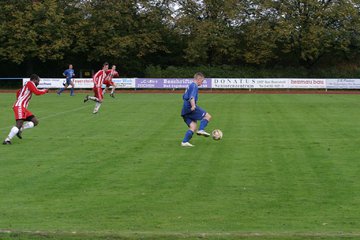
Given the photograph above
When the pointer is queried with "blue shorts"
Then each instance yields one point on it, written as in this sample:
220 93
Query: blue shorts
197 114
68 81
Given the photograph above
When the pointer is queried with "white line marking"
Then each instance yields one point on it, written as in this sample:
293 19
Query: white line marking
53 115
61 113
304 235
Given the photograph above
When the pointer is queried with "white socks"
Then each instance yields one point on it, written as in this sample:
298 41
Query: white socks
97 106
94 98
27 125
112 90
14 130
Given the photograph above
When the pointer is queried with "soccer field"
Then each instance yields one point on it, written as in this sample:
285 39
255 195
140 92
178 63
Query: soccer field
288 167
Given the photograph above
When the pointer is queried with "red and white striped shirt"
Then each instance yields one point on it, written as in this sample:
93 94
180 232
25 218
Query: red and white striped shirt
99 78
111 73
24 94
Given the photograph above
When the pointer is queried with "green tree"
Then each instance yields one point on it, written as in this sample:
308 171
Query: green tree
259 22
32 30
124 32
207 29
309 29
138 33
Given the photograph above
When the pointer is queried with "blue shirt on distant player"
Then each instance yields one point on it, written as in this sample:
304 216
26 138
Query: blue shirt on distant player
69 74
192 91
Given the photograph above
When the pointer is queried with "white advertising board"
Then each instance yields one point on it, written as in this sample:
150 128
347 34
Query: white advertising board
124 82
249 83
343 83
268 83
216 83
82 82
233 83
307 83
48 82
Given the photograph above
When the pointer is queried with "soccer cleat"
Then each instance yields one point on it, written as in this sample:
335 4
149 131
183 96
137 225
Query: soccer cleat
86 98
187 144
203 133
7 142
19 134
112 95
95 111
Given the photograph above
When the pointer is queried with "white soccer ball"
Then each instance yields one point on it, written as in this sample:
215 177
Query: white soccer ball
217 134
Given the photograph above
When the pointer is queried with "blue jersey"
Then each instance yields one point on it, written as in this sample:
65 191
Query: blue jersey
69 73
191 92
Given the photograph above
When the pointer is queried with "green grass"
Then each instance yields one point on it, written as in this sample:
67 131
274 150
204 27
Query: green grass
287 168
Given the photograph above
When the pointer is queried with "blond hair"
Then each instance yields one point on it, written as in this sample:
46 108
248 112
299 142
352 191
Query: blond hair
198 75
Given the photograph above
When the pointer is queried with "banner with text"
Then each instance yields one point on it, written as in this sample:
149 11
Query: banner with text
263 83
168 83
82 82
249 83
307 83
211 83
343 83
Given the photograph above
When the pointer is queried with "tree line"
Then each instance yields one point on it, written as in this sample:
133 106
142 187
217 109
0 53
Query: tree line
149 37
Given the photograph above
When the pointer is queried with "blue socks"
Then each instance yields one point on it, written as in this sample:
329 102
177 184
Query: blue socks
188 136
203 124
60 90
189 133
63 89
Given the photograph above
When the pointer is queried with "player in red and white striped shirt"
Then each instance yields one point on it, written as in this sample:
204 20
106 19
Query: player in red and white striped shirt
22 114
98 80
109 82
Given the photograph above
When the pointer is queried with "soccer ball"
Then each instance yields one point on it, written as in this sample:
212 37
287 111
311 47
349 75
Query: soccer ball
217 134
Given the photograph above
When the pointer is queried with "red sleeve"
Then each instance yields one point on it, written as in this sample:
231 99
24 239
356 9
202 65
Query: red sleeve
31 86
116 74
96 76
17 93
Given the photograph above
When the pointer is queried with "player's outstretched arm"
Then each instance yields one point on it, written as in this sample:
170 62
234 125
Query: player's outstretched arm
37 91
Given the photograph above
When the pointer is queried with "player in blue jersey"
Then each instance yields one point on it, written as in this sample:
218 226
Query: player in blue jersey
191 113
69 74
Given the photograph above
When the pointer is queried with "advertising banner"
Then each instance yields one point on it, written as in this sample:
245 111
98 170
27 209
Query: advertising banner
82 82
263 83
249 83
48 82
58 82
214 83
124 82
168 83
343 83
271 83
307 83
